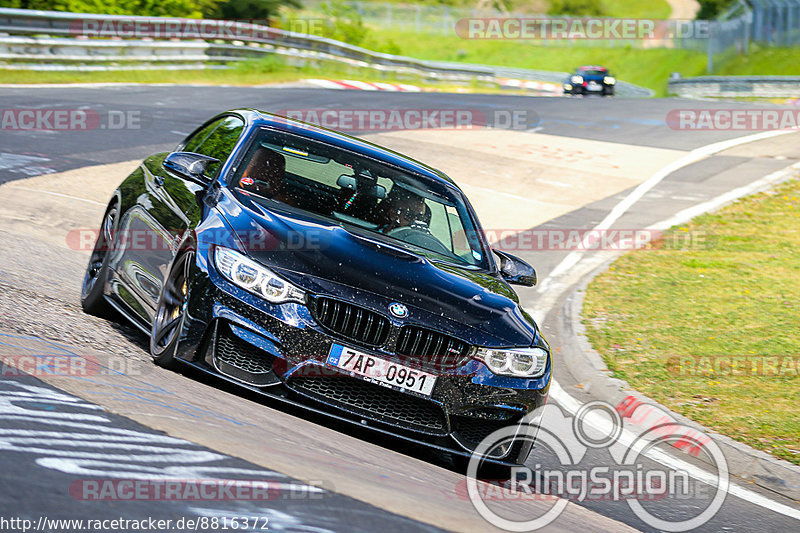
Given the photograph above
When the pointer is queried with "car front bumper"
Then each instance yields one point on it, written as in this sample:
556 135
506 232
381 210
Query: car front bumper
281 351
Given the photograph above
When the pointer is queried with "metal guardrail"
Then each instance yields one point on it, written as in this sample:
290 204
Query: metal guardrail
53 23
67 39
736 86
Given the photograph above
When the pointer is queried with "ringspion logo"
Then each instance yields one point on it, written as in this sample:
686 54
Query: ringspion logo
626 436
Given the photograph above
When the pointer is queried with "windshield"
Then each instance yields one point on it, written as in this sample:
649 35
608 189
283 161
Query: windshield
360 194
592 72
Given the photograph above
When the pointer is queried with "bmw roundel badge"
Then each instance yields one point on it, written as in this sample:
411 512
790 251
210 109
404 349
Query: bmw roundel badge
398 310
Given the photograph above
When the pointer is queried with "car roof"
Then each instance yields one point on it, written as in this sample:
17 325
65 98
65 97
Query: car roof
592 67
260 118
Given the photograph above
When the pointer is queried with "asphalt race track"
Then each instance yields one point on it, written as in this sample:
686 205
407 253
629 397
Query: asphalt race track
130 420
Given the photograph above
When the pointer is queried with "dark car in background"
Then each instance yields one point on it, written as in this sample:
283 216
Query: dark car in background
326 272
590 80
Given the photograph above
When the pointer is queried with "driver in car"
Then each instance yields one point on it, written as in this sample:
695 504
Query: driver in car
265 175
403 208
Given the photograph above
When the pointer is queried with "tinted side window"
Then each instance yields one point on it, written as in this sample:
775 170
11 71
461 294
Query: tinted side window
198 138
216 140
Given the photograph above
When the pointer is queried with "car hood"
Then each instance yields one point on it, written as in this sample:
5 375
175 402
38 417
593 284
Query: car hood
324 258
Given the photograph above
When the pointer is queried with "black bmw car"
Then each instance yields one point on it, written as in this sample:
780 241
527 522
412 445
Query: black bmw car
590 80
326 272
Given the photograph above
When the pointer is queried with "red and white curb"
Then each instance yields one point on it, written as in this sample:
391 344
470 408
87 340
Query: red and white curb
365 85
543 86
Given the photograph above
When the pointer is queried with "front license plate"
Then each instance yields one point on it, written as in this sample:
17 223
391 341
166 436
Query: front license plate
593 86
381 370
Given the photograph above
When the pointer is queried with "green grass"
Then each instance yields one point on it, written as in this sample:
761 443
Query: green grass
735 292
764 61
155 76
649 67
246 73
266 70
646 67
637 9
657 9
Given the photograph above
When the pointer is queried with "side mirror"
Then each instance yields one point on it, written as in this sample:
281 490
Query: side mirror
189 165
515 270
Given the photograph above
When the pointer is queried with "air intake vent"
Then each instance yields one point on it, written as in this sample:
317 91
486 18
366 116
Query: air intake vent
432 347
373 401
355 323
471 431
241 360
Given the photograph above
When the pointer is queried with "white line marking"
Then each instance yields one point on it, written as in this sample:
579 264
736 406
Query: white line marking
386 86
635 195
364 86
566 268
601 423
326 84
556 183
56 194
726 198
502 193
409 88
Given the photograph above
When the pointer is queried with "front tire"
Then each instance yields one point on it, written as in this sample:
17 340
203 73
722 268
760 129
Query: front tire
93 299
171 312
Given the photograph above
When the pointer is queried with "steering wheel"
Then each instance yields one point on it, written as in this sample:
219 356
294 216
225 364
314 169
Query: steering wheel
419 235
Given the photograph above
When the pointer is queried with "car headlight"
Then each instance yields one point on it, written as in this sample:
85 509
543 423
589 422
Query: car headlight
567 86
609 80
251 276
516 362
577 79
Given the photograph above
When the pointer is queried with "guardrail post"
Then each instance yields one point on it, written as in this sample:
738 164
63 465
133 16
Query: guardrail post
710 48
757 21
771 33
748 19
